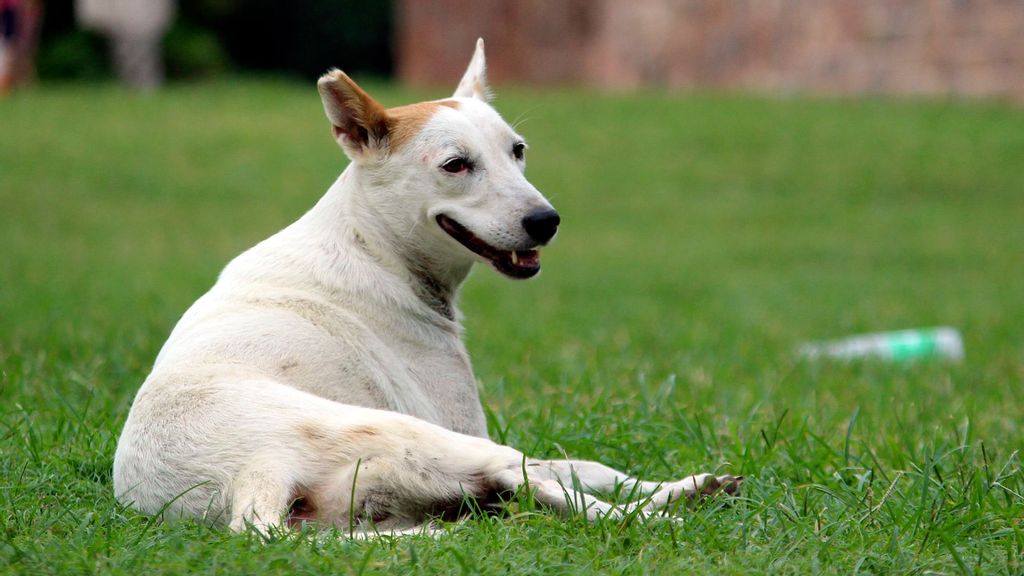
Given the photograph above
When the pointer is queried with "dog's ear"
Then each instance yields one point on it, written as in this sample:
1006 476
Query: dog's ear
360 124
474 81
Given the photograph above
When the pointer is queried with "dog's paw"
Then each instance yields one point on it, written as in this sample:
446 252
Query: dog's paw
714 484
701 485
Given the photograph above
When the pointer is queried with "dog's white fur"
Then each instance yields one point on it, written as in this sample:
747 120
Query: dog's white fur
324 375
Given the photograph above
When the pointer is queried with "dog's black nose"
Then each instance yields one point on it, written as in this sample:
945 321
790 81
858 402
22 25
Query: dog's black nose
542 225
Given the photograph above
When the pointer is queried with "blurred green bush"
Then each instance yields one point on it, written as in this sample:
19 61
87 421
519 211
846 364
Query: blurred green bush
73 55
191 52
301 37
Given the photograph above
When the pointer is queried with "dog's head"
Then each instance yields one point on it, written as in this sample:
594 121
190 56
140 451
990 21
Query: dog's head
444 178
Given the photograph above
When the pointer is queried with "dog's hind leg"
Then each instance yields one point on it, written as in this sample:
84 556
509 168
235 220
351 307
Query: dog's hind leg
261 494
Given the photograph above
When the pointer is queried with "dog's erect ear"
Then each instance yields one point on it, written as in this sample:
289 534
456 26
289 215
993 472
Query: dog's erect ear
360 124
474 81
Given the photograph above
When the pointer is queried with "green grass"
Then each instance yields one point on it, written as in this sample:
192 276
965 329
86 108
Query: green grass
704 238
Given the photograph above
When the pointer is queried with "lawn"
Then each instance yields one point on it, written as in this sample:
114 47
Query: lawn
704 238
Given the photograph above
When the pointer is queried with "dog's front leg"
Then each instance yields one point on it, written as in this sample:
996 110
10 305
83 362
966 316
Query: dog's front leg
597 478
373 471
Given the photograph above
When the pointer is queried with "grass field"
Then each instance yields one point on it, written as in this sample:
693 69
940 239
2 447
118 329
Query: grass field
703 238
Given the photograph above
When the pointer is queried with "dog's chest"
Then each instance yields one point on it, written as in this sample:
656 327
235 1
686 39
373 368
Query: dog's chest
444 387
368 362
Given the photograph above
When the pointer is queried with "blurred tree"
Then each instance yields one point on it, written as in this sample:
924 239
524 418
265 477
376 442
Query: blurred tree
135 31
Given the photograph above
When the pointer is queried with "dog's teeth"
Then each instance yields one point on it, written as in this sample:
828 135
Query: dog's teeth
515 257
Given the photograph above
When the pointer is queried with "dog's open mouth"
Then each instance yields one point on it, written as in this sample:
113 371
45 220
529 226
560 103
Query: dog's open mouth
513 263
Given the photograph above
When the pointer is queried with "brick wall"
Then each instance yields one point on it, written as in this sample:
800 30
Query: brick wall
959 47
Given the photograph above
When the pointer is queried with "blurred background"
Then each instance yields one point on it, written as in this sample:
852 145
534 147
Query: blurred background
736 178
932 47
699 142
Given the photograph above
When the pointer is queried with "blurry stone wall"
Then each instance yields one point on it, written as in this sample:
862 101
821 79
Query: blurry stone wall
959 47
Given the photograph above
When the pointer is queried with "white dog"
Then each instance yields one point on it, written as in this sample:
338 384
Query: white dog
323 378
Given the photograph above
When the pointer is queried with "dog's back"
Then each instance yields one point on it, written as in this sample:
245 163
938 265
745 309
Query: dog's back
309 308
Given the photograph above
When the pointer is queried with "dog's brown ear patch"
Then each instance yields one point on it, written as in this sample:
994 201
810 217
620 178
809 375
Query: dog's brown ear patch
360 124
407 121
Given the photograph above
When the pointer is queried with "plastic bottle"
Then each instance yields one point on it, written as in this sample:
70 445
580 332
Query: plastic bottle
899 346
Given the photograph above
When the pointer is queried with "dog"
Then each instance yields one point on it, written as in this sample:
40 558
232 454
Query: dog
324 379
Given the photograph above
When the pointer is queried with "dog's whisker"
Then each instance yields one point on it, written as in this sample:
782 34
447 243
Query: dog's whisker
522 118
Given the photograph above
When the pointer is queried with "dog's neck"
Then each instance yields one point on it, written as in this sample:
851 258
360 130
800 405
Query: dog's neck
344 212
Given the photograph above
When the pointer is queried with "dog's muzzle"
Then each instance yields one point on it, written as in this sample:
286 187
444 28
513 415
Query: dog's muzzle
512 263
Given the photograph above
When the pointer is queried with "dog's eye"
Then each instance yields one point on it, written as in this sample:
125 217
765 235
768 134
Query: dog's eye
518 150
456 165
